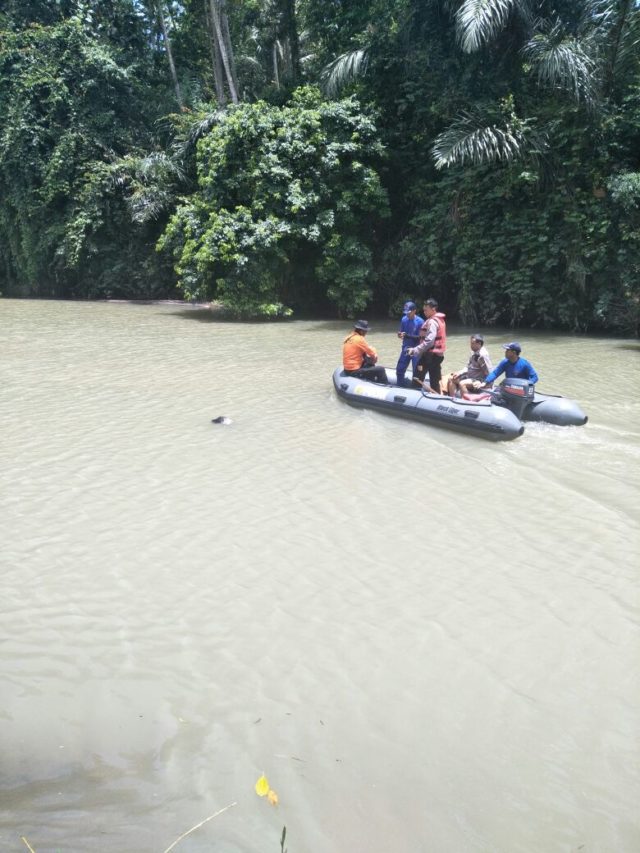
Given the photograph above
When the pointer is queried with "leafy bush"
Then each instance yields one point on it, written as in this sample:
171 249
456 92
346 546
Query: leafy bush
286 208
71 109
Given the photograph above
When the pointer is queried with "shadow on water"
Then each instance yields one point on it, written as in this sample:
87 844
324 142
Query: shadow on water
201 315
206 315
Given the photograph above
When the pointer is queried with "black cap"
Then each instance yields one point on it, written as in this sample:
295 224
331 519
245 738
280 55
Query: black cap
362 325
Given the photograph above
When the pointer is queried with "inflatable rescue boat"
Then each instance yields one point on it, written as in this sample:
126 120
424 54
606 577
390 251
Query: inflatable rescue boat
496 416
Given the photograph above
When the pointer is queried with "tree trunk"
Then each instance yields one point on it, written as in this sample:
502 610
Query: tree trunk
224 53
276 76
291 31
216 62
167 47
224 20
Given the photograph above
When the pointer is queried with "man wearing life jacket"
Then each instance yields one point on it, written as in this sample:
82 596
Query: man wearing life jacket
358 358
432 347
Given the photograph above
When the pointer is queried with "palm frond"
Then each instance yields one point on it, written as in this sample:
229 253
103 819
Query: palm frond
467 141
626 52
479 21
158 166
610 32
202 123
150 204
562 63
249 62
343 70
596 13
148 183
153 185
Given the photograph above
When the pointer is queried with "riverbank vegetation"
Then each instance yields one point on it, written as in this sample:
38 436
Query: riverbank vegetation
302 156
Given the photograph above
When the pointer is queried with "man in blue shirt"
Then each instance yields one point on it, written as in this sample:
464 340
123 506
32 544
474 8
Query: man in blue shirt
513 366
409 334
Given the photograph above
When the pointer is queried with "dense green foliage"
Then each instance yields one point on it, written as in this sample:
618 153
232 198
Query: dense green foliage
285 208
486 153
73 106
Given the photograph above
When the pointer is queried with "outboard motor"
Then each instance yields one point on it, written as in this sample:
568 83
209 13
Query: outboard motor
514 394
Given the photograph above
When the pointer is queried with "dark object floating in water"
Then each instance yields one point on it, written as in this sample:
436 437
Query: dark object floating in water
223 419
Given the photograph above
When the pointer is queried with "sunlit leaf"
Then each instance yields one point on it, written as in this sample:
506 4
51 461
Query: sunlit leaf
262 786
272 797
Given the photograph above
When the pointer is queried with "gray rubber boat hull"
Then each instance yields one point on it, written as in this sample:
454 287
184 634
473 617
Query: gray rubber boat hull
483 419
551 409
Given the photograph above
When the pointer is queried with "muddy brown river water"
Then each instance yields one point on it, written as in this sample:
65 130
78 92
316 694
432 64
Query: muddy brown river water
427 642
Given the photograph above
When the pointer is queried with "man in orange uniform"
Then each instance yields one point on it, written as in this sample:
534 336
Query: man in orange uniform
358 358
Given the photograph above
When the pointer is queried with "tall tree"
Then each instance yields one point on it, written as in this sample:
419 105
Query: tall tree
216 59
293 40
158 8
222 45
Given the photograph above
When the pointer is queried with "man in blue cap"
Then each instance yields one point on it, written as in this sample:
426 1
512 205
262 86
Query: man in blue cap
512 365
409 334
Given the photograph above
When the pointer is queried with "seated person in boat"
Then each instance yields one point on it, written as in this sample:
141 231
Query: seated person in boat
358 357
474 376
512 365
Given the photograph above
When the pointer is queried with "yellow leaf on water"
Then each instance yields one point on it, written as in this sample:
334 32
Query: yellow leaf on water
262 786
273 798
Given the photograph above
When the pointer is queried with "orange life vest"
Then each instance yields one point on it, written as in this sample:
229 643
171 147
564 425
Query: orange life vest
440 343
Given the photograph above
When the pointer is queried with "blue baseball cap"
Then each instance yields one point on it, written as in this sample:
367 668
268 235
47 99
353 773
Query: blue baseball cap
514 345
408 306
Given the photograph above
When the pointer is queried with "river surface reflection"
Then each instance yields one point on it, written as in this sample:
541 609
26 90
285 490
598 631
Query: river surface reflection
426 641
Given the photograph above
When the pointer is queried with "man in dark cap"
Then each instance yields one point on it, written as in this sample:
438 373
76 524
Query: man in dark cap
358 357
512 365
409 334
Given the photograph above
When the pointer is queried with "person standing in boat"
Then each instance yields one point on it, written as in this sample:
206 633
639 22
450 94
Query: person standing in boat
431 348
474 376
358 357
409 334
512 365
